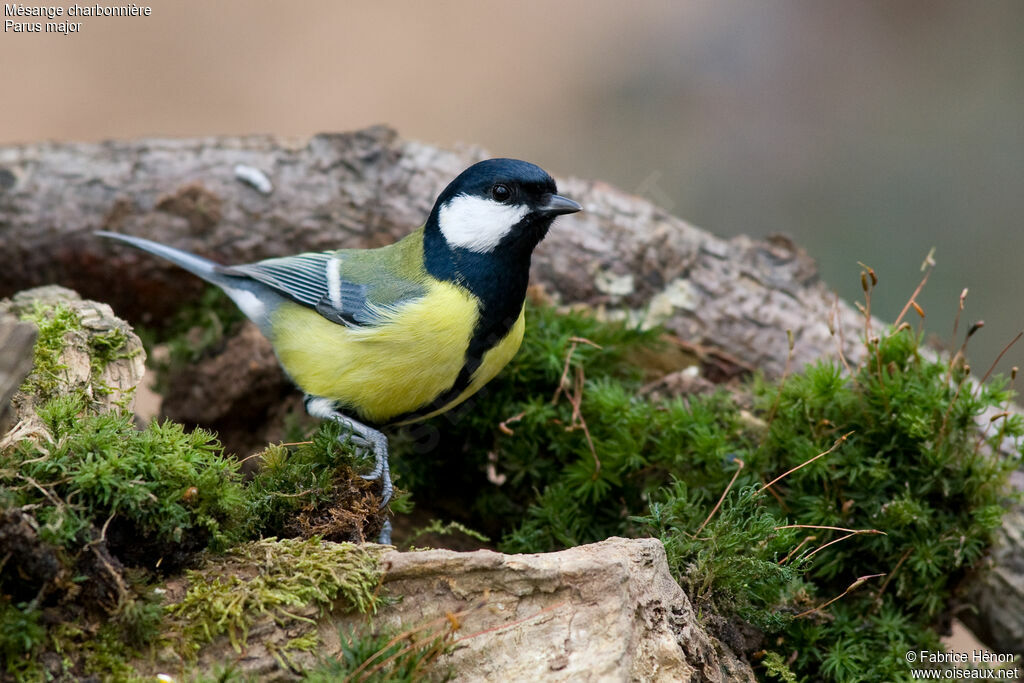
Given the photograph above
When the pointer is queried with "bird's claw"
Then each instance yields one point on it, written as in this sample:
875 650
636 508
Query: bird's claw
381 470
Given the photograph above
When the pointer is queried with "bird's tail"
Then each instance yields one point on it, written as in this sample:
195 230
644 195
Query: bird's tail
197 265
250 296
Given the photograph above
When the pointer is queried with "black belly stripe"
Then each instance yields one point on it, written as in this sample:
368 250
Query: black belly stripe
486 335
497 280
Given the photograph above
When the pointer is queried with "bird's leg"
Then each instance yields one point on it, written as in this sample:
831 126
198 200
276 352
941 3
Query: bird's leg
367 438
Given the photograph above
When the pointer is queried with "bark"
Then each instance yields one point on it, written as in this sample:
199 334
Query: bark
16 340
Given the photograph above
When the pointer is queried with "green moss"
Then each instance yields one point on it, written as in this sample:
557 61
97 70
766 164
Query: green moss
914 467
308 642
438 528
386 656
163 483
93 650
97 493
106 654
54 323
735 564
278 579
105 348
775 667
223 673
313 489
20 635
290 480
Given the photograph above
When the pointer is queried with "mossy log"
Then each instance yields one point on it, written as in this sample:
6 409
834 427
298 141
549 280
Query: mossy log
78 366
239 199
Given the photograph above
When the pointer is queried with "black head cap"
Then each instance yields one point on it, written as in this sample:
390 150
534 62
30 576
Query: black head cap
499 204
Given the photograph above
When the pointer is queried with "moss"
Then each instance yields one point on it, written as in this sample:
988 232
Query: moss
54 323
82 499
775 667
307 642
222 673
21 633
59 326
388 656
158 486
914 467
437 529
105 348
313 489
288 580
106 654
733 566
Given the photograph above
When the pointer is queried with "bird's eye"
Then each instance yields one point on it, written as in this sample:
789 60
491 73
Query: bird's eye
501 192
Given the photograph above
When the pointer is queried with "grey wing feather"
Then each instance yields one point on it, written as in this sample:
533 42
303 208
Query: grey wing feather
303 279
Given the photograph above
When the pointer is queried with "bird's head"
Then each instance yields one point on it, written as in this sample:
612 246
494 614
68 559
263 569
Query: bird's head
498 205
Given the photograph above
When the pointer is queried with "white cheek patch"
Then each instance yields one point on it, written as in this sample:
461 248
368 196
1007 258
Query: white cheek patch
476 223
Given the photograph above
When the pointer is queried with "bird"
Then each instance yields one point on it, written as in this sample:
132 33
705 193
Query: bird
377 338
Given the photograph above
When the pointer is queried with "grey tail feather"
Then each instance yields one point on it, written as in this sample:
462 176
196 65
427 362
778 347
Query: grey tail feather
204 268
252 297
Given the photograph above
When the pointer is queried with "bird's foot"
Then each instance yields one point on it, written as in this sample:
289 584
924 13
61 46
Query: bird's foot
366 439
378 444
364 436
382 471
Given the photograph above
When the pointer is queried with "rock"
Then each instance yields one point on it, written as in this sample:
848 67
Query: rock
996 591
608 611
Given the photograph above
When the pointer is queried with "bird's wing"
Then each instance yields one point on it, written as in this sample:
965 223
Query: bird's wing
338 285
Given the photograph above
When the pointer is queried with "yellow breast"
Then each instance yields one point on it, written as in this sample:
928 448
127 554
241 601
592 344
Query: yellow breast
494 360
397 367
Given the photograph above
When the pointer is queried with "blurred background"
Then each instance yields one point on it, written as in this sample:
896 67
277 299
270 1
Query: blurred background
867 130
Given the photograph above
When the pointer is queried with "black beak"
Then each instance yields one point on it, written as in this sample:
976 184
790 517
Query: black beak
556 205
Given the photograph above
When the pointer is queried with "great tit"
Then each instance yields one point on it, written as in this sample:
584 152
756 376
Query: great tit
389 336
